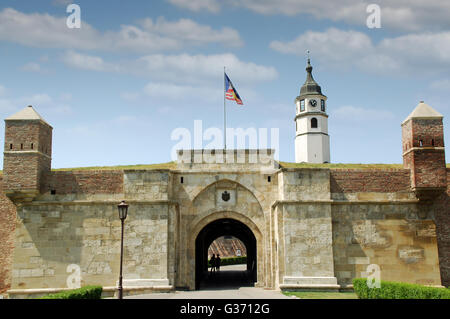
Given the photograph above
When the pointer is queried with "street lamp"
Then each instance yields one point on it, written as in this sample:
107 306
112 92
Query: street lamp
123 211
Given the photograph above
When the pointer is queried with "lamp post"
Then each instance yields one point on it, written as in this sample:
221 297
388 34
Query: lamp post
123 211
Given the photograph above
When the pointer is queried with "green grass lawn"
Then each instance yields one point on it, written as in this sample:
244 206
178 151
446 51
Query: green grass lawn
321 295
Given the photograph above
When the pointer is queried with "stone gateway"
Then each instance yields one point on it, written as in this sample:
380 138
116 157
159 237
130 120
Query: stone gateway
304 227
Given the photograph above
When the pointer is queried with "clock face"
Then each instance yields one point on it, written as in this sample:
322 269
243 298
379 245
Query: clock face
313 103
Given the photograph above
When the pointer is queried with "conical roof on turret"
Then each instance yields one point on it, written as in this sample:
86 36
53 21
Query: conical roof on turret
423 111
310 86
28 113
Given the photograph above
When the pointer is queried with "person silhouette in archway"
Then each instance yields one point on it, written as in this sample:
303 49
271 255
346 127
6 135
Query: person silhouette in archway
212 262
218 262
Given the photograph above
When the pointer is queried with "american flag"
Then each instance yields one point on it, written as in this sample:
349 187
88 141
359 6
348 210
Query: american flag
230 91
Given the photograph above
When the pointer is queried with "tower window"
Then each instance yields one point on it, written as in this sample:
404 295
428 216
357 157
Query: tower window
420 143
322 105
21 146
10 146
313 122
32 146
302 105
269 178
432 142
181 180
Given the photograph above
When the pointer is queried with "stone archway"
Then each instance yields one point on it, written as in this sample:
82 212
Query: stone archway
214 230
240 226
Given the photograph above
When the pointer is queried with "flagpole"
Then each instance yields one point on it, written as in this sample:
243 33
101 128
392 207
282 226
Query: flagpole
224 113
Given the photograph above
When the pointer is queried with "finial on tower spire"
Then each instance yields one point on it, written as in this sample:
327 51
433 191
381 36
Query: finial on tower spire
308 66
310 86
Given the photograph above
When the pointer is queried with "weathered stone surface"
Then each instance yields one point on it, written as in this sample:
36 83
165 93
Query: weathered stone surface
314 227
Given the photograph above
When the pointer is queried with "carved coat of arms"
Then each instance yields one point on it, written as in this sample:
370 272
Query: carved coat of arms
226 196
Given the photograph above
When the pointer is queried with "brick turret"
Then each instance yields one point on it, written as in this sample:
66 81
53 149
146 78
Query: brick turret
423 150
27 154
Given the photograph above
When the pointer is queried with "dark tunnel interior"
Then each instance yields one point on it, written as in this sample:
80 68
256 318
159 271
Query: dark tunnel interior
222 279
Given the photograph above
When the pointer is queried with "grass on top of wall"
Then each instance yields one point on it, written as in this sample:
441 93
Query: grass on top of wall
169 165
173 165
342 165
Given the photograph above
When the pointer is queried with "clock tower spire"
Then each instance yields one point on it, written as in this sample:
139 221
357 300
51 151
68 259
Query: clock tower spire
312 142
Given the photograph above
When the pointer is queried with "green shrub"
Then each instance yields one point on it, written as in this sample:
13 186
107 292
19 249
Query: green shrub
231 261
398 290
88 292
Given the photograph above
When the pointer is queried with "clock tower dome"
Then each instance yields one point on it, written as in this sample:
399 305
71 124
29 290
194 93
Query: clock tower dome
312 142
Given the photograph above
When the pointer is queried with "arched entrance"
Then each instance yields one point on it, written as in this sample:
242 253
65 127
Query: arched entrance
216 229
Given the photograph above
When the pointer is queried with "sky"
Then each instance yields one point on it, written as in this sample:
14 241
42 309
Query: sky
116 89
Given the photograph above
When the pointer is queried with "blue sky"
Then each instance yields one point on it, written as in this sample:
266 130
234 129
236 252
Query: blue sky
115 89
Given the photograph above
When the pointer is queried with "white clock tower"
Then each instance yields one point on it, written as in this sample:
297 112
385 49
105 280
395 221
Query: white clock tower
312 142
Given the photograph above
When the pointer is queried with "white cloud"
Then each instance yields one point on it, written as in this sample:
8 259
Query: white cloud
334 45
420 46
409 15
47 31
42 101
412 53
87 62
406 15
190 31
203 68
197 5
180 68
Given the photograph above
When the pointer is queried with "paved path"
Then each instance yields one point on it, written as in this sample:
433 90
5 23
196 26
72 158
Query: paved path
239 293
229 283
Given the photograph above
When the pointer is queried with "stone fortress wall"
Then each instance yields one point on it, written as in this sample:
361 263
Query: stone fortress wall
354 222
315 227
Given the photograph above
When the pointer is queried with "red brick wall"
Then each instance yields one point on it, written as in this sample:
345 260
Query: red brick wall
26 133
369 180
427 130
85 182
427 164
7 227
20 171
442 219
45 140
428 168
407 136
23 169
